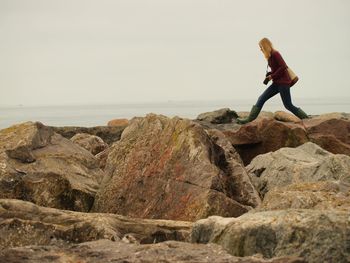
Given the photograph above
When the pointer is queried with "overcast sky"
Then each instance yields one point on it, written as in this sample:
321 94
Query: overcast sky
83 52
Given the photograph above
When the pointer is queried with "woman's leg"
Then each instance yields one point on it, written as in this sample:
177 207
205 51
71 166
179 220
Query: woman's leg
287 102
271 91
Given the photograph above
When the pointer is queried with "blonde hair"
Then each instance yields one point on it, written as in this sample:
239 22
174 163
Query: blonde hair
266 46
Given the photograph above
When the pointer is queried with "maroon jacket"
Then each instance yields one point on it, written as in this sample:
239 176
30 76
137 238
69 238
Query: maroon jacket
278 67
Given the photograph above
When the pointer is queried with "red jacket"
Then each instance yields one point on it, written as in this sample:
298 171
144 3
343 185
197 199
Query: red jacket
278 67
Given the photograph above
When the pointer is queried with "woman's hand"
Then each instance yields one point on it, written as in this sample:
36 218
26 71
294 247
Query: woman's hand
269 77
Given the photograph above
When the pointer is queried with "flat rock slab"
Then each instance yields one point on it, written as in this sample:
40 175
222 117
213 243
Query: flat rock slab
118 122
323 195
317 236
24 223
41 166
108 251
285 117
171 168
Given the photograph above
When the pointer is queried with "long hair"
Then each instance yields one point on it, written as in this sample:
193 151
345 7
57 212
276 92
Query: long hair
266 46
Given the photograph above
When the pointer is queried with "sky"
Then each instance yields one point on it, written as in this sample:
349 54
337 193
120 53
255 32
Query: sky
57 52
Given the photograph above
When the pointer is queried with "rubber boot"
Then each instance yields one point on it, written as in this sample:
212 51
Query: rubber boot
301 114
254 112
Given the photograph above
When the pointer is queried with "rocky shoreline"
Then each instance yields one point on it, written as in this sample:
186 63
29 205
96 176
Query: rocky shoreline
160 189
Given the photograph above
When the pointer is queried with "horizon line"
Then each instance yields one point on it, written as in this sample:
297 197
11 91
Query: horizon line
134 102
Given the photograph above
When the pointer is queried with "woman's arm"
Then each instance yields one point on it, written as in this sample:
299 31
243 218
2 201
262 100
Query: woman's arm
281 66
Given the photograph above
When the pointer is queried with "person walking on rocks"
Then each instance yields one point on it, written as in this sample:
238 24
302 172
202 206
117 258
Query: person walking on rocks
281 83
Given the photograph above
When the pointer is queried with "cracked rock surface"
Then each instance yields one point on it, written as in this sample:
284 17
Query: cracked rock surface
171 168
24 223
308 163
315 235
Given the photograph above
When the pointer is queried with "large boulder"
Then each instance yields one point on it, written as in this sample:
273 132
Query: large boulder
223 119
23 223
92 143
306 163
39 165
330 131
172 169
265 135
120 252
224 115
316 235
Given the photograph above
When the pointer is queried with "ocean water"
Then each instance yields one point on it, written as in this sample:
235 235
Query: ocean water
96 115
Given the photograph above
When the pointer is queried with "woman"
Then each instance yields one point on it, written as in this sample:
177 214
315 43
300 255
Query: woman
281 83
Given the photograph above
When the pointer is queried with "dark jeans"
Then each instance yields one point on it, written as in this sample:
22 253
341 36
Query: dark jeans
272 90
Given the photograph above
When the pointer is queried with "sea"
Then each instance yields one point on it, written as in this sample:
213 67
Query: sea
99 114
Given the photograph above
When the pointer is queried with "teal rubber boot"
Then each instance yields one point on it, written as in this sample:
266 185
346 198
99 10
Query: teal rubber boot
301 114
254 112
